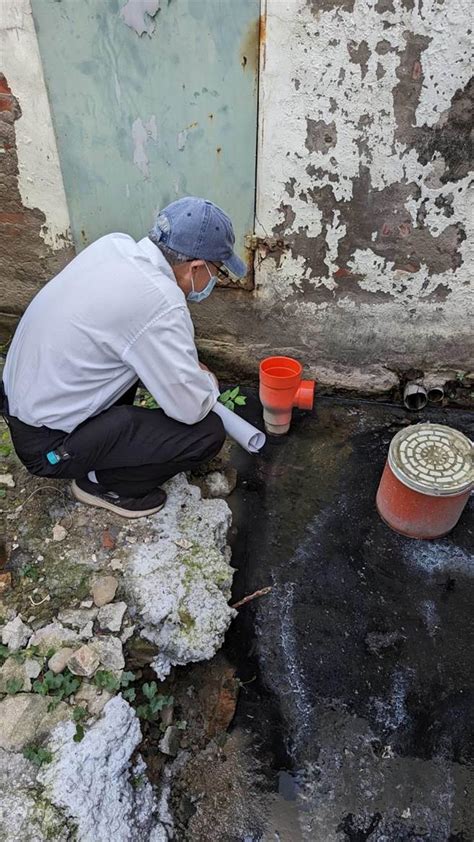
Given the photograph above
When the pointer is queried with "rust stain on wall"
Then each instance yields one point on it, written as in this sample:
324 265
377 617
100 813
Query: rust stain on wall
249 46
26 262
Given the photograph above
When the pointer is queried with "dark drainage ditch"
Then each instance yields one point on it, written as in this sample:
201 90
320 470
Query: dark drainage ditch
357 669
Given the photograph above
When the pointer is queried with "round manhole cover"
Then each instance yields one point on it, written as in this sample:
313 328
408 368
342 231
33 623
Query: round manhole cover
433 459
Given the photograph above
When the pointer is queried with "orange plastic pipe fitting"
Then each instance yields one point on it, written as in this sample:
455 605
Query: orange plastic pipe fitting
282 388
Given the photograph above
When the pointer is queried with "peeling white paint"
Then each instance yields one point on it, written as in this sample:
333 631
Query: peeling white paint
40 181
317 79
447 62
334 233
142 134
139 14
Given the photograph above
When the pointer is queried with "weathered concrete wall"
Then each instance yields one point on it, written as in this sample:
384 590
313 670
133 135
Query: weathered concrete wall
363 216
34 220
364 266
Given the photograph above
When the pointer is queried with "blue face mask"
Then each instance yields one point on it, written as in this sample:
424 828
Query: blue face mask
200 296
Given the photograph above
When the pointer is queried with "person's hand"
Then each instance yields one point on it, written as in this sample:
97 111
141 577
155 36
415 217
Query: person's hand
205 368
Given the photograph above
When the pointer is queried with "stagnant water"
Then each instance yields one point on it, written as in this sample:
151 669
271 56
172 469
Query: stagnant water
357 668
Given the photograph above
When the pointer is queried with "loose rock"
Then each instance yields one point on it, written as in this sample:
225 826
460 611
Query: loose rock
16 634
5 582
7 479
58 662
12 671
32 668
110 616
169 743
116 564
53 636
127 633
93 698
87 603
77 617
104 590
87 631
109 652
59 533
83 662
25 718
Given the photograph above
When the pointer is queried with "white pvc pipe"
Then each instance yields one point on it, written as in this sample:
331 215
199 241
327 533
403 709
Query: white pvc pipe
251 439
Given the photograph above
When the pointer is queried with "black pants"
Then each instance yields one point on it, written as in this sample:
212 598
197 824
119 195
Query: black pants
132 450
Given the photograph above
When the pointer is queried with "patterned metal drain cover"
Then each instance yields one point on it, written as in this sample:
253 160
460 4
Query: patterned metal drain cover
433 459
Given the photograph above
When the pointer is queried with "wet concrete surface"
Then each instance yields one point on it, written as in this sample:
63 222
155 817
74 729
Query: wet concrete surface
357 669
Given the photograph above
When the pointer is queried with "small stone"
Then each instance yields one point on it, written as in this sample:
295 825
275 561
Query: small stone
83 662
109 652
53 636
13 671
58 662
59 533
166 715
7 479
77 617
32 668
87 631
16 634
169 743
93 698
183 544
116 564
5 582
108 540
110 616
131 539
104 590
127 633
87 603
220 484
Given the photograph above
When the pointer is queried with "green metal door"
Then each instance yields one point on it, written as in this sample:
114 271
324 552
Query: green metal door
151 100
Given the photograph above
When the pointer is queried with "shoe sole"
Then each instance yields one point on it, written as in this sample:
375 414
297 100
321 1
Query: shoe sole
91 500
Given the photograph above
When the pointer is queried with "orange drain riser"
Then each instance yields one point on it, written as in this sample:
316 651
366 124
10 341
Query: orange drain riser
281 389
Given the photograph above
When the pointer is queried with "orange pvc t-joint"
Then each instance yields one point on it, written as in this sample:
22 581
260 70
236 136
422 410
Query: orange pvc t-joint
281 388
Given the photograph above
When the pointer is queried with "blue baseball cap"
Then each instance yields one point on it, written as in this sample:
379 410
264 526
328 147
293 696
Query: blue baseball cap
200 229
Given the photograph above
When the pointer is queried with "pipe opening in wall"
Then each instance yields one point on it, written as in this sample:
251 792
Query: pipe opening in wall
414 396
435 394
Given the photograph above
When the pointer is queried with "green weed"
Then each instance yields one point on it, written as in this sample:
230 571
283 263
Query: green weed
232 398
156 702
37 755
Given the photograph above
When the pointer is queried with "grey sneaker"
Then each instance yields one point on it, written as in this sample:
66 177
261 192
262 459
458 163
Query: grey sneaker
93 494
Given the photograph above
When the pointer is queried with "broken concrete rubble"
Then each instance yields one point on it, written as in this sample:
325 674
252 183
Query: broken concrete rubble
109 651
181 594
110 616
16 634
91 780
192 540
26 718
53 636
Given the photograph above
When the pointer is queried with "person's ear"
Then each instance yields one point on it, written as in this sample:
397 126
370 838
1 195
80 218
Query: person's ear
195 265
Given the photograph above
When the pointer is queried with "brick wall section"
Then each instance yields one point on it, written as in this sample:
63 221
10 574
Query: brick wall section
26 261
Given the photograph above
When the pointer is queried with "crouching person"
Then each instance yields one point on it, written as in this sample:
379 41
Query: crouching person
115 315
